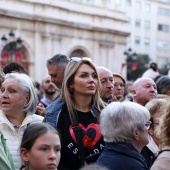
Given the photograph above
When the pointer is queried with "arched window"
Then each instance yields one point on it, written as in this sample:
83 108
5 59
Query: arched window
14 53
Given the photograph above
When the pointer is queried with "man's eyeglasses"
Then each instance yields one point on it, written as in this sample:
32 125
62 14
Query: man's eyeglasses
77 59
119 84
147 125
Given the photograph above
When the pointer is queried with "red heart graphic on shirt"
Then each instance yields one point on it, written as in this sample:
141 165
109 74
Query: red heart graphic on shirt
91 133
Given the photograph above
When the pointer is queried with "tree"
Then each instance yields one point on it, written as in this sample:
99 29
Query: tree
136 66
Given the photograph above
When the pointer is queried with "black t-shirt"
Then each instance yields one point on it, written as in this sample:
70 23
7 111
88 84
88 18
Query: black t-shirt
93 140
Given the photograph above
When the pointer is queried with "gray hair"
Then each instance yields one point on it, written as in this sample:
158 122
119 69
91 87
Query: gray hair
26 85
118 120
59 60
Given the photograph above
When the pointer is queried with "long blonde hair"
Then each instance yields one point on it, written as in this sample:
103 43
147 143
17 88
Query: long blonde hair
163 130
69 75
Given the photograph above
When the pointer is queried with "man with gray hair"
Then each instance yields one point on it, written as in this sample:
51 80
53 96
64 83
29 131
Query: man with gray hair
106 79
56 67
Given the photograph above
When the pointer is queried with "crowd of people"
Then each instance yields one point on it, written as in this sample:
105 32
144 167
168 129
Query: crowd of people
83 117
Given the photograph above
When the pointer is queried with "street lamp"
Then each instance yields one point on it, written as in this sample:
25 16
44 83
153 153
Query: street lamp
12 36
131 55
4 40
131 62
131 59
12 49
19 43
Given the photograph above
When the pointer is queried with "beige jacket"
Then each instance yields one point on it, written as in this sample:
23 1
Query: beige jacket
163 161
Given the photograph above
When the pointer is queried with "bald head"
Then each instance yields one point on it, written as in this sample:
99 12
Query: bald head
103 70
47 77
144 89
106 79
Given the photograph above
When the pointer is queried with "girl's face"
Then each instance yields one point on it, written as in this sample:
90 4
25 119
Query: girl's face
85 81
45 153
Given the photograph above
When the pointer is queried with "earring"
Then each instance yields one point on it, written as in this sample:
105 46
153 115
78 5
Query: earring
26 162
71 91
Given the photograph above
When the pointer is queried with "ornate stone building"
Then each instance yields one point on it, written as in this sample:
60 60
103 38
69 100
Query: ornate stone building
49 27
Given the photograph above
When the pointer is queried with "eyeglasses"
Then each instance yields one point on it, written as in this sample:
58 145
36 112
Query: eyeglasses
119 84
147 125
77 59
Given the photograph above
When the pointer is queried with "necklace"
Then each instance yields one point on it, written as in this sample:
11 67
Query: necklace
16 126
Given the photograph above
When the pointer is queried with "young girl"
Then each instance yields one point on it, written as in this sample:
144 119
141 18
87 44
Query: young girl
40 147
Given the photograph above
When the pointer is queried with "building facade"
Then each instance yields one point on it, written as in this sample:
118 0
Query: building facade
150 29
149 22
61 26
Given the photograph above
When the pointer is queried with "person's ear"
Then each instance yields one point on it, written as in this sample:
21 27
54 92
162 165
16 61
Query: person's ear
133 91
24 154
136 134
71 86
27 98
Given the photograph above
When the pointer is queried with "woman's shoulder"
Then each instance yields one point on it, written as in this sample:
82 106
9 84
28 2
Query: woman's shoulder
161 163
37 118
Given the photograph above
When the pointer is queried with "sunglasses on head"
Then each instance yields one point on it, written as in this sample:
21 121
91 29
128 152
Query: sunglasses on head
77 59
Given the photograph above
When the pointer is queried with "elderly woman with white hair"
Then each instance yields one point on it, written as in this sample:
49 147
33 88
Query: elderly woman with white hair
18 105
124 126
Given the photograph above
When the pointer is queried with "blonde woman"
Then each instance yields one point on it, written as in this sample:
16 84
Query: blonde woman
163 132
79 106
156 108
